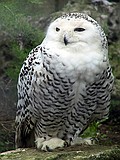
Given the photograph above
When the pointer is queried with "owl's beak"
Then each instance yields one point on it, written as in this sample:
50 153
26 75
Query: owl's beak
65 40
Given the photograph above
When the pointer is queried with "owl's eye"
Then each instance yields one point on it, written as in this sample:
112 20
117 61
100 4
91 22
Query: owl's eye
57 29
79 29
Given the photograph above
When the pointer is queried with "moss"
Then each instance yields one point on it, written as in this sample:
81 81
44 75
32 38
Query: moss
76 153
107 155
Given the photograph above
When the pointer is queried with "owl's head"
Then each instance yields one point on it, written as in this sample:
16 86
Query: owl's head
76 30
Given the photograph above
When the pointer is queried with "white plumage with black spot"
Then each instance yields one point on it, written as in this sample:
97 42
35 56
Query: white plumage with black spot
64 84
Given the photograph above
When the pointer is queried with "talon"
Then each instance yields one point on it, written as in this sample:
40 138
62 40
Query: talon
48 149
66 144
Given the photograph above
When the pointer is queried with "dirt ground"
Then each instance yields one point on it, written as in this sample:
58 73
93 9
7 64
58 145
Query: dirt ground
110 129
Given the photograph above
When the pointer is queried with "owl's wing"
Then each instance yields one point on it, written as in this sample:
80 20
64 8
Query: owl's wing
104 88
24 117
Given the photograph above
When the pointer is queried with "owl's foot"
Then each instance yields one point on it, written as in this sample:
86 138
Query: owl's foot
49 145
79 140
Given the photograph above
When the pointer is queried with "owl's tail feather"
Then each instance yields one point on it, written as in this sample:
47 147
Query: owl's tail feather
24 138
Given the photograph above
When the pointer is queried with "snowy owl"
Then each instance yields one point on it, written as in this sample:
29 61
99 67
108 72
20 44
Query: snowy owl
64 84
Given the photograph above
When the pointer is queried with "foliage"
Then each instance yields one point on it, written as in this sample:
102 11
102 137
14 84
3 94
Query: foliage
19 30
114 55
115 104
16 24
6 137
19 56
91 131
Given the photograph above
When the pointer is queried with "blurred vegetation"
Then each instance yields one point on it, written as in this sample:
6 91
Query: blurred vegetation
91 131
6 136
18 57
114 56
22 35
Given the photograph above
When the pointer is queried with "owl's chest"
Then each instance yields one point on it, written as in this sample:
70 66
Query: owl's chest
79 67
58 86
60 79
58 92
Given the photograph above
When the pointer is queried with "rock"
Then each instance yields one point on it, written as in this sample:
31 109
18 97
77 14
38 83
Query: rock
116 91
70 153
114 25
104 2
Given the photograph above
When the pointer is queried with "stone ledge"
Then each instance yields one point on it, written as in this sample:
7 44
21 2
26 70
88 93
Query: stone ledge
96 152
